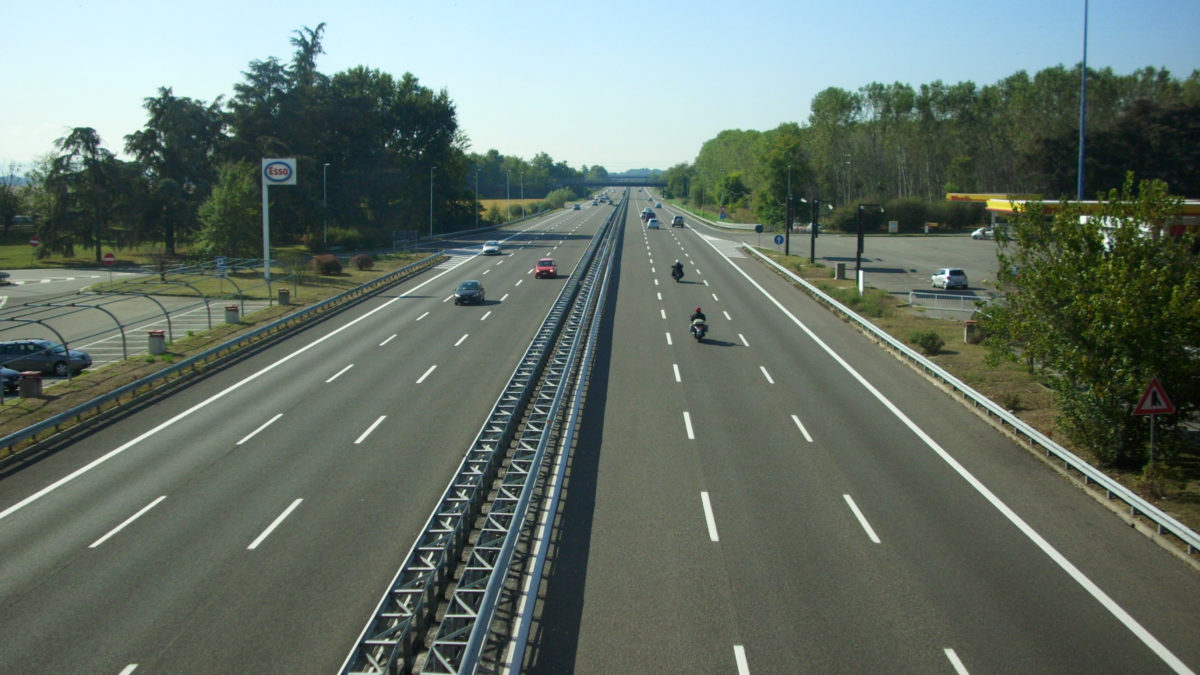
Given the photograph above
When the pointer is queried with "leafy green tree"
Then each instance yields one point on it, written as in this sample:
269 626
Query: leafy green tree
232 214
12 198
784 168
1100 305
83 187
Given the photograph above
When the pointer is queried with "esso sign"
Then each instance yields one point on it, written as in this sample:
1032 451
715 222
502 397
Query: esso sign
279 171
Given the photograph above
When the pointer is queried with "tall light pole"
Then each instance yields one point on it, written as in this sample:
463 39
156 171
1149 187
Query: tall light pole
431 170
521 176
324 204
787 218
507 195
477 198
1082 104
862 208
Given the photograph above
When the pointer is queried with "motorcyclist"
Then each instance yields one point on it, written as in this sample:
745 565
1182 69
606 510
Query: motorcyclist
677 269
699 315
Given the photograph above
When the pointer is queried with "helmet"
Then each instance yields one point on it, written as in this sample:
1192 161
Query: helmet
697 309
677 261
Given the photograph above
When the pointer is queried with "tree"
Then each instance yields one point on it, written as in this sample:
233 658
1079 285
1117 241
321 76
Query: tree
12 198
83 185
1100 305
232 214
784 170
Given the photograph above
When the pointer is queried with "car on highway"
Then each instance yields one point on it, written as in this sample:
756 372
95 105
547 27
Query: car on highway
469 292
658 205
982 233
949 277
652 224
677 221
490 248
647 213
574 207
43 355
545 269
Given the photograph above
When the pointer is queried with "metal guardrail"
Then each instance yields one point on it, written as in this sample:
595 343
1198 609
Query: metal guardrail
54 424
1113 489
407 610
946 302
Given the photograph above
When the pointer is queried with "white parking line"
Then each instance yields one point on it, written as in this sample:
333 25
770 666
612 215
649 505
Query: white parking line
802 429
861 519
271 528
264 425
128 520
708 517
363 436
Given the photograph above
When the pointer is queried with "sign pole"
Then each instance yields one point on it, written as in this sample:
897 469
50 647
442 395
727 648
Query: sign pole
266 237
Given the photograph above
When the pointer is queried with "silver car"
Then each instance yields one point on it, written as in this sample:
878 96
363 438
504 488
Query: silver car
949 277
490 248
43 355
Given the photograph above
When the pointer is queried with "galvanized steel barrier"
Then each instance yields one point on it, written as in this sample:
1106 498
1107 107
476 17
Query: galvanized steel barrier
1163 522
57 422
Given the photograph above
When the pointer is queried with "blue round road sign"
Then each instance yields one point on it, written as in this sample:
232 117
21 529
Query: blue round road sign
779 240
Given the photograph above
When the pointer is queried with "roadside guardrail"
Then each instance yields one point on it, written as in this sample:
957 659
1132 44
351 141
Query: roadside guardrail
1138 506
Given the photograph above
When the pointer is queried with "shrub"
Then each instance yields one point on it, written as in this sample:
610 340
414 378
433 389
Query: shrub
930 342
326 263
362 261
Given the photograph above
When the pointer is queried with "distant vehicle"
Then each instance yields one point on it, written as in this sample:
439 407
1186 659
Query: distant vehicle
574 207
3 277
658 205
677 221
43 355
545 269
490 248
11 380
595 202
647 213
469 292
652 224
983 233
949 277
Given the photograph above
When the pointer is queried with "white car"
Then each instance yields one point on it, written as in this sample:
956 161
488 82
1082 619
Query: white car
982 233
949 277
490 248
652 224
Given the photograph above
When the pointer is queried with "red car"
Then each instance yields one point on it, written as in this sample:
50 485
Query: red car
545 268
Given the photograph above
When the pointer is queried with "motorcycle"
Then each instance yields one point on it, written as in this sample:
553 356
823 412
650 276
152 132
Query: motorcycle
699 329
676 274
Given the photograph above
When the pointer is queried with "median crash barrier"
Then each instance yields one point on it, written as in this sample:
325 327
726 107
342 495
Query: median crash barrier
30 384
157 343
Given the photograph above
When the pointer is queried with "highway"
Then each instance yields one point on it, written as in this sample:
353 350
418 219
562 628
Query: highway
783 497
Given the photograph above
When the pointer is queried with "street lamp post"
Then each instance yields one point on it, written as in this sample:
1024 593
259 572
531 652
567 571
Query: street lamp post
431 170
521 176
507 195
324 204
787 218
814 226
862 208
477 199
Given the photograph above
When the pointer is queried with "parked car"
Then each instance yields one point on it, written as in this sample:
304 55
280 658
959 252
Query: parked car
11 379
949 277
677 221
42 355
469 292
490 248
3 277
652 224
982 233
545 269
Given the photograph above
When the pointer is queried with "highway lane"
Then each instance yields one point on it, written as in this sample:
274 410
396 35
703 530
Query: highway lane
866 548
251 521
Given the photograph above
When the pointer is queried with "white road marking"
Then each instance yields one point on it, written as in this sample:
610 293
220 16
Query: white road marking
363 436
956 662
766 374
802 429
861 519
743 339
427 372
271 528
425 314
461 339
127 670
448 297
708 517
656 282
486 271
727 317
504 297
675 367
706 282
739 655
715 298
687 422
335 375
486 315
519 282
264 425
659 294
128 520
668 339
663 314
393 337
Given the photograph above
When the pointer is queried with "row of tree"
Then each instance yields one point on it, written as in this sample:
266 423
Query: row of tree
375 153
895 142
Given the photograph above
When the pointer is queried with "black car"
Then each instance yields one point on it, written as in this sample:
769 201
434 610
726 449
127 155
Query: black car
468 292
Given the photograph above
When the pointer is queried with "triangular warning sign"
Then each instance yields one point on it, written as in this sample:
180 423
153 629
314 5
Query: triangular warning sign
1154 401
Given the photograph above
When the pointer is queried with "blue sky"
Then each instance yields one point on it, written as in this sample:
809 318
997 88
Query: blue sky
621 84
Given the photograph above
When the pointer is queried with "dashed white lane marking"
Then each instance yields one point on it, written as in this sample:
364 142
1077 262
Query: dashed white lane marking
461 339
271 528
338 373
766 374
128 520
427 373
956 662
264 425
862 520
687 423
363 436
802 429
675 367
708 517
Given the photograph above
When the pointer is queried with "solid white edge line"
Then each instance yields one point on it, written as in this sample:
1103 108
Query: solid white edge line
271 528
1059 559
264 425
461 339
687 422
739 655
956 662
709 518
335 375
128 520
426 374
675 367
802 429
766 374
363 436
862 520
743 339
